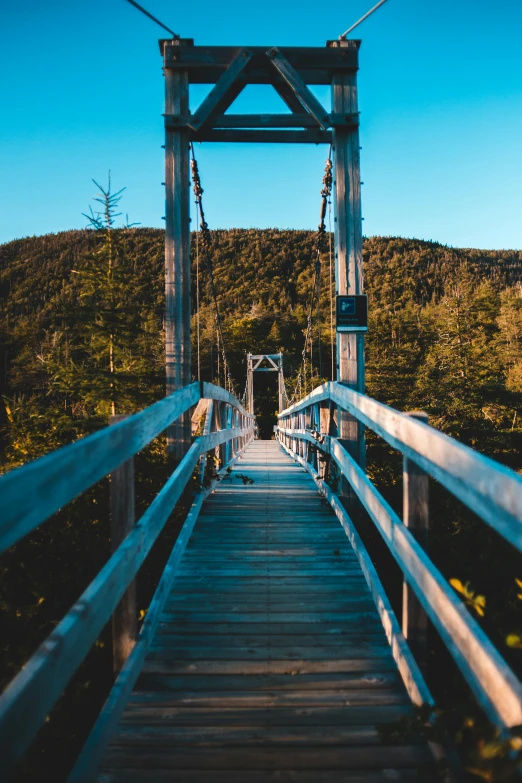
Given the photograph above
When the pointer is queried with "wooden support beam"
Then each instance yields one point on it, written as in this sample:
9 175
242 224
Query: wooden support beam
124 619
315 64
288 95
299 88
348 252
416 518
223 93
177 256
264 136
260 121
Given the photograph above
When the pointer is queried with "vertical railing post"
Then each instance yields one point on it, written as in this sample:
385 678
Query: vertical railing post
324 429
207 427
416 519
124 619
228 444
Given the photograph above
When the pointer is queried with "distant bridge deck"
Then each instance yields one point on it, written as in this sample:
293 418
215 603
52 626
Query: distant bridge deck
270 662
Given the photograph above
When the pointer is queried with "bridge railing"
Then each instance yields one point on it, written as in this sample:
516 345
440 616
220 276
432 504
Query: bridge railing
492 491
29 495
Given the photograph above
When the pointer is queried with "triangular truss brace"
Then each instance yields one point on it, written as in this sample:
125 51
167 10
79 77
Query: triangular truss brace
289 71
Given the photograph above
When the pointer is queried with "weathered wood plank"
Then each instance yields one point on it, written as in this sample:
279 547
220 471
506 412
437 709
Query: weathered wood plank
334 758
206 64
223 93
267 776
265 648
247 136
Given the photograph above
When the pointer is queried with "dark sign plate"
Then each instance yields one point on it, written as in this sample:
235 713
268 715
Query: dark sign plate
352 313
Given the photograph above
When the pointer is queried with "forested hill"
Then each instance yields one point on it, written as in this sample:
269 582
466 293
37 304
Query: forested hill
445 327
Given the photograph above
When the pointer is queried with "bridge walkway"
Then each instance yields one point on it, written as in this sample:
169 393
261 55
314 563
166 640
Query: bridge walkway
270 662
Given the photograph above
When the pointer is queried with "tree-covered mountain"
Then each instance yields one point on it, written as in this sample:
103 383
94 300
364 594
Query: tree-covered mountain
444 327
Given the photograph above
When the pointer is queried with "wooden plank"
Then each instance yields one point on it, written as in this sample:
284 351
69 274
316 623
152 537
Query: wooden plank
298 119
288 95
299 88
272 736
275 666
30 494
266 776
205 64
275 699
223 93
239 758
263 682
240 136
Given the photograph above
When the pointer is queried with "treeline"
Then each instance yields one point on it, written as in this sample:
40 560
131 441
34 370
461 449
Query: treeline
445 329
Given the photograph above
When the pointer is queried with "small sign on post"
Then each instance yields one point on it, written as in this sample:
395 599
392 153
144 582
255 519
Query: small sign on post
352 313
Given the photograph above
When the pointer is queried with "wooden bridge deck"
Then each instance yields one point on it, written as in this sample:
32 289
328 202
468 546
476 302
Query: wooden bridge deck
270 662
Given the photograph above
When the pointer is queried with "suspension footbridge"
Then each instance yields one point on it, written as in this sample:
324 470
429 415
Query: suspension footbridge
270 650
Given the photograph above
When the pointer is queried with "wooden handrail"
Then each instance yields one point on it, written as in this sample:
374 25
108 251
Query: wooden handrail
30 696
32 493
495 686
489 489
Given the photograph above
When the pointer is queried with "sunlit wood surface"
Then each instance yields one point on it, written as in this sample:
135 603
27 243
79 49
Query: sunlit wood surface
270 662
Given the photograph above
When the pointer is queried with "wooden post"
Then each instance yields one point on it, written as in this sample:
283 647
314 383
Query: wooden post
348 247
324 428
416 518
124 619
177 251
280 383
250 384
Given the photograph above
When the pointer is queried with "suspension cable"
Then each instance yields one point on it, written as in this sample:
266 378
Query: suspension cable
198 335
206 249
144 11
330 253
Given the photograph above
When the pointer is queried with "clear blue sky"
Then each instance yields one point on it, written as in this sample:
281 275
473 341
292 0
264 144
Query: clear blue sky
440 83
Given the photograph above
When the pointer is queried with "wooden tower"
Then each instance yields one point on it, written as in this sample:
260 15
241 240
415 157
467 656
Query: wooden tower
290 70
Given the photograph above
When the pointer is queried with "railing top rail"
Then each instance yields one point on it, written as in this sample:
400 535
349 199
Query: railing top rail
209 391
488 488
495 686
32 493
30 696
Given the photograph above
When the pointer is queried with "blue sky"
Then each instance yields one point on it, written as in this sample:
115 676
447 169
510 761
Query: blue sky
440 91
